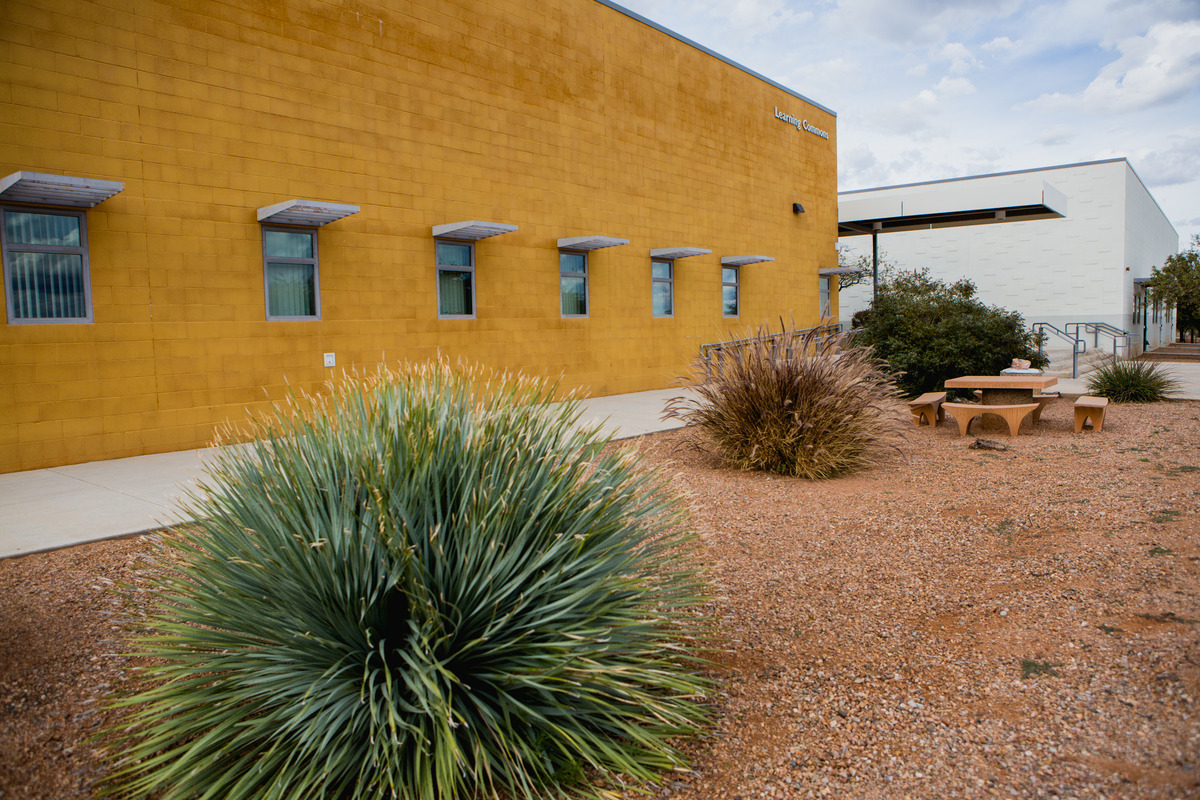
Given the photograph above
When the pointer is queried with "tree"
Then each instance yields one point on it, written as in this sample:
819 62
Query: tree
1177 283
930 331
863 265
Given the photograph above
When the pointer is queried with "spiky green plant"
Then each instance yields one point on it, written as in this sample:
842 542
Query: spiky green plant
794 404
426 585
1128 381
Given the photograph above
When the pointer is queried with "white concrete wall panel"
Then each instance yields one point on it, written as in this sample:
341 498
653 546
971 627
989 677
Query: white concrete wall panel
1056 271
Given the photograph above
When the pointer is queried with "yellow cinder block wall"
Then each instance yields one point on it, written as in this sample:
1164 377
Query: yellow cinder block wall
564 117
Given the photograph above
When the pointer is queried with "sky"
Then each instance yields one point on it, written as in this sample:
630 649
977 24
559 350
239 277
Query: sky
933 89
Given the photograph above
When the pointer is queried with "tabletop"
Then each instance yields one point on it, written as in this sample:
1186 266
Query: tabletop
1002 382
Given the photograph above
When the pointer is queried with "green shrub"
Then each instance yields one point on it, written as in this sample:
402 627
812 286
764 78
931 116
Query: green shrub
1128 381
929 331
427 585
784 403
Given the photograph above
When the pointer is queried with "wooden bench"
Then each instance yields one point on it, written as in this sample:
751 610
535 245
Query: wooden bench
1042 400
1090 408
1014 415
928 407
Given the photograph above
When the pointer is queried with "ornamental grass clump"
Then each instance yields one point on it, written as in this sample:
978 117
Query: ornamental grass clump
1127 381
426 585
793 403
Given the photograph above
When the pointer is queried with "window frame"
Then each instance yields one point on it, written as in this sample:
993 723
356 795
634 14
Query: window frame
315 261
736 283
81 249
439 268
824 297
669 281
587 289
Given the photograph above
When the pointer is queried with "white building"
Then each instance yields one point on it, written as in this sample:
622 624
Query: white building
1085 266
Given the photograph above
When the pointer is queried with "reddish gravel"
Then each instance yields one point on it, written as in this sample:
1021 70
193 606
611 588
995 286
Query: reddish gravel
954 623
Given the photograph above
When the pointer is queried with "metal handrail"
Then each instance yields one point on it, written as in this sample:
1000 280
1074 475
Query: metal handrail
1097 328
817 339
1077 345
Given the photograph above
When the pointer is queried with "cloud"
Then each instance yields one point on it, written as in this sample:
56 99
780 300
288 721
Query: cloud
1057 27
952 87
914 117
960 58
860 168
1001 45
740 17
1155 69
758 16
1058 135
1178 163
909 23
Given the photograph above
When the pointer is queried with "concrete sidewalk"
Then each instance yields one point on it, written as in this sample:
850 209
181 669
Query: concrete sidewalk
45 509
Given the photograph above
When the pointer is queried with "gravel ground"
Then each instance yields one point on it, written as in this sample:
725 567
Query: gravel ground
953 623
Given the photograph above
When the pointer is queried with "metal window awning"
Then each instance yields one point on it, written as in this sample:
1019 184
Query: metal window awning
674 253
471 231
589 243
839 271
918 208
741 261
57 190
311 213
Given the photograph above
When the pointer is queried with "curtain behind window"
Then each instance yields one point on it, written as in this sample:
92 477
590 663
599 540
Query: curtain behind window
292 290
454 290
45 285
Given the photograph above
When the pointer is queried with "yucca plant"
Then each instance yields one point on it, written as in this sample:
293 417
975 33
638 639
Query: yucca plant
1128 381
427 585
794 404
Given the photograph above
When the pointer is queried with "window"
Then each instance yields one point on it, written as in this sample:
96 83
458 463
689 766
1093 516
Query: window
729 291
46 271
572 276
456 279
826 306
662 288
290 272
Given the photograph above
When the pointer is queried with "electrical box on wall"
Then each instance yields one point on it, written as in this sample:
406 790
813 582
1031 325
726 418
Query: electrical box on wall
330 360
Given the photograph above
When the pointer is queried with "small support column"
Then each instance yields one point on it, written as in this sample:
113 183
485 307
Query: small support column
875 262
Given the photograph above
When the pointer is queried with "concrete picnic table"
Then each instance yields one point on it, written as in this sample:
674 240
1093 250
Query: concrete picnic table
1010 397
1003 390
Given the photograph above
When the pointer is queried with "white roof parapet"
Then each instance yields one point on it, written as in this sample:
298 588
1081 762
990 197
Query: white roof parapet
741 261
310 213
589 243
471 231
57 190
674 253
967 201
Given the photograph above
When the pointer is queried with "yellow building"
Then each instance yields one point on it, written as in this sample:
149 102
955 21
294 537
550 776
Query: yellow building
204 203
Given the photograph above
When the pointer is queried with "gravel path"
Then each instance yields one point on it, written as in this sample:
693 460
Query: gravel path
954 623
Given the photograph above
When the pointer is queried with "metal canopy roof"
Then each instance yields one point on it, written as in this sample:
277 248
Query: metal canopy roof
741 261
839 271
589 243
917 208
311 213
56 190
674 253
471 231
